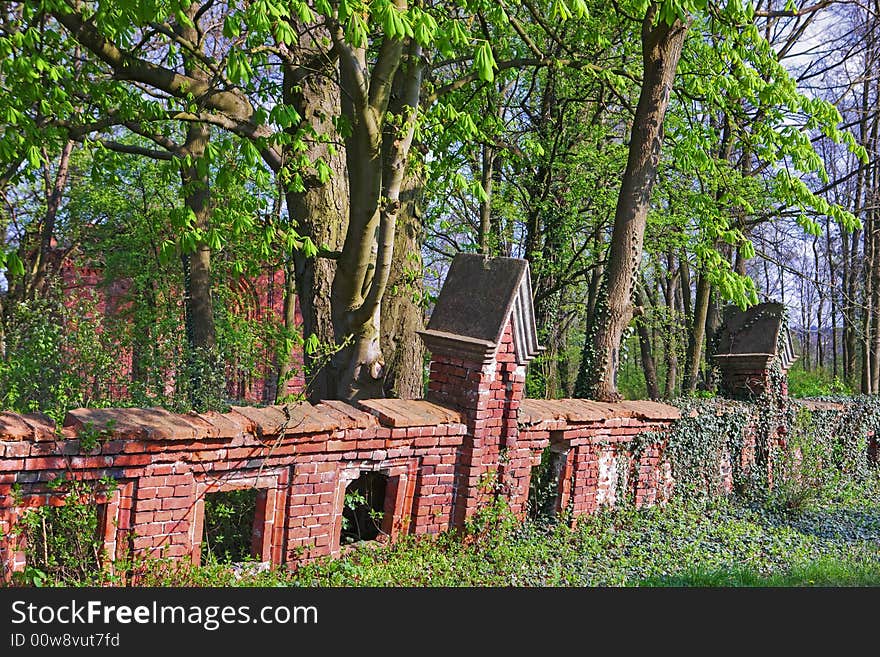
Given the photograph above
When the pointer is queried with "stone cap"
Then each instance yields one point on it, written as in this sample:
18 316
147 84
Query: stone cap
410 412
748 335
535 411
479 296
821 405
264 421
302 418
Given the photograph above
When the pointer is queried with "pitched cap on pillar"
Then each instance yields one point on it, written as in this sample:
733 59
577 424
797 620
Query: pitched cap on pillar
750 342
479 297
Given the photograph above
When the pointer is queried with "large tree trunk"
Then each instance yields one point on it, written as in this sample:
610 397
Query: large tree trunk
320 210
206 385
377 151
661 50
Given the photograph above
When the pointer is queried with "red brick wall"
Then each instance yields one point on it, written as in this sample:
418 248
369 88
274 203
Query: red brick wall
605 459
260 299
468 443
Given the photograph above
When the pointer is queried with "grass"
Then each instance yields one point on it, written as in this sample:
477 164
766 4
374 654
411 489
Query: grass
815 383
833 541
824 572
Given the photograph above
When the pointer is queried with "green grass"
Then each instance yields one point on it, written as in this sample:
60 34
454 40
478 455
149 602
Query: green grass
815 383
823 572
834 541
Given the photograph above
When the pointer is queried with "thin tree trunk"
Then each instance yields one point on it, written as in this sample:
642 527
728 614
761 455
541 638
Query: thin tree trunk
402 306
832 282
486 177
696 335
820 352
671 334
713 323
647 353
285 366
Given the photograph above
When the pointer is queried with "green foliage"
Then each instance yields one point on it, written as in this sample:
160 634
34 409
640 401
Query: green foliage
63 545
363 508
202 384
544 486
228 526
815 383
90 436
56 358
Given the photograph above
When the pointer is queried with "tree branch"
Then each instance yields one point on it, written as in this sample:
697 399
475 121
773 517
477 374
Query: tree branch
132 149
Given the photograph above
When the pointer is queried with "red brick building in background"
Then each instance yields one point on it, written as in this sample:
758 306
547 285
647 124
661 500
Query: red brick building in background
259 299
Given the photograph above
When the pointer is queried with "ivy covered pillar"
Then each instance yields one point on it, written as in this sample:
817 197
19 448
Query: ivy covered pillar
753 354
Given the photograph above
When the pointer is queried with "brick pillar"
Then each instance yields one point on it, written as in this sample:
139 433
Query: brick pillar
489 393
481 336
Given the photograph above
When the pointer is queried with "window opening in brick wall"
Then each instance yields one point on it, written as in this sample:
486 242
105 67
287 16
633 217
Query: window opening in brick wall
228 529
544 483
364 508
64 541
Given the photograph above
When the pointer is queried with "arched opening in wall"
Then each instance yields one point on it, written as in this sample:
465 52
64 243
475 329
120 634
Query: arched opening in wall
545 482
228 532
364 510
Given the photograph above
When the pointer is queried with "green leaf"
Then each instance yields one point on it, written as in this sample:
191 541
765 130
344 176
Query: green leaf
231 27
579 8
561 10
33 156
323 170
284 32
308 247
484 62
14 264
356 31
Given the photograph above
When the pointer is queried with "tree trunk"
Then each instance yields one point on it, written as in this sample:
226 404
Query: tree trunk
645 347
670 338
851 313
486 178
696 335
713 324
820 352
35 248
205 383
284 366
832 280
402 306
320 210
661 50
377 151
